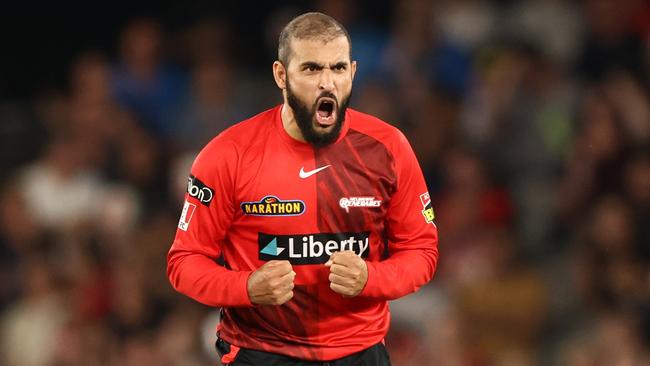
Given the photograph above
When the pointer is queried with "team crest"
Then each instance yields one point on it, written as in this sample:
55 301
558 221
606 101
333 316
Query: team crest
347 202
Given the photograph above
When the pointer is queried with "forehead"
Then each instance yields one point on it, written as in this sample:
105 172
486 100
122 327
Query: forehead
319 51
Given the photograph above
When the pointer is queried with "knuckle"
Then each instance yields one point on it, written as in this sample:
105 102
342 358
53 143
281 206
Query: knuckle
284 299
264 275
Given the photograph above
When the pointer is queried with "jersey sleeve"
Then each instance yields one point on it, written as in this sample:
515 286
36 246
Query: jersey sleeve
412 236
207 213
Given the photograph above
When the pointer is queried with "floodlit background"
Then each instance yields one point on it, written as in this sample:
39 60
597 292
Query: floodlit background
531 120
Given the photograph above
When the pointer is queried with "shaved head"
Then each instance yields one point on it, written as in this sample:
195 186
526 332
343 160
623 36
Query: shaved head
309 26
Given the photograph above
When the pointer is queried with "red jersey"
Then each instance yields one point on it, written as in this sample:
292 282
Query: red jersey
256 194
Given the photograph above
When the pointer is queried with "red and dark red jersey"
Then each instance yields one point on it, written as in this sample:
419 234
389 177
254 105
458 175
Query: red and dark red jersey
256 194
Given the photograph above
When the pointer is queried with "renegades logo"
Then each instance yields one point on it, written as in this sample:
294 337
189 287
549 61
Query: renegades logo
273 206
347 202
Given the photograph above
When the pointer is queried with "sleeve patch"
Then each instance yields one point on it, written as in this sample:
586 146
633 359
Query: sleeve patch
186 216
199 190
427 209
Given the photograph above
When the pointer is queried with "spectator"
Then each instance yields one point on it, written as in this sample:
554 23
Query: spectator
142 82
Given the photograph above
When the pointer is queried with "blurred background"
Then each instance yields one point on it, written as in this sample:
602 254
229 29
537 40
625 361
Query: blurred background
530 119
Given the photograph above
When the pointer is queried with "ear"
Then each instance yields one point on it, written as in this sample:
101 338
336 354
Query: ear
353 68
280 75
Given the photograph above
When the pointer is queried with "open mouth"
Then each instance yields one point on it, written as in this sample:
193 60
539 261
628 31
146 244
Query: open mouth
326 112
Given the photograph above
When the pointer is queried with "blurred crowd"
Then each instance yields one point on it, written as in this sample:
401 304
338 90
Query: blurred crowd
530 119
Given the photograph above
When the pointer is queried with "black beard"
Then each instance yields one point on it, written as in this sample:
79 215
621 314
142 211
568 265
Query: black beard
305 118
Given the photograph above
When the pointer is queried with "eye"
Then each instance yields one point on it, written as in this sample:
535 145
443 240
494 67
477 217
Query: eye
339 67
311 68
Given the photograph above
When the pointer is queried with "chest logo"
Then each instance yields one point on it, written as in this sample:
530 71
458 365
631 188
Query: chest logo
347 202
306 174
273 206
313 248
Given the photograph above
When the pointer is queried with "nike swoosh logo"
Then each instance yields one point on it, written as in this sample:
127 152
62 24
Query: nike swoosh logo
303 174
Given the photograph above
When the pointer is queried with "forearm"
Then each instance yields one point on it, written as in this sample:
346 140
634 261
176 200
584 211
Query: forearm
401 274
205 281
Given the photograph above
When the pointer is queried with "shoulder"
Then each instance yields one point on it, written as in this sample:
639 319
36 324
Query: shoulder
242 135
230 144
382 131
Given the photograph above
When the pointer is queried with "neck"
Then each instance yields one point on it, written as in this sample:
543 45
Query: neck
289 123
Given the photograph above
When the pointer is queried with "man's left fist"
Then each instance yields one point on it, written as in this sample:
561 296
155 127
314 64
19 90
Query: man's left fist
348 273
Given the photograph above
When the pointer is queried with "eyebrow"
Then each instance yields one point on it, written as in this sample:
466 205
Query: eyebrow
319 66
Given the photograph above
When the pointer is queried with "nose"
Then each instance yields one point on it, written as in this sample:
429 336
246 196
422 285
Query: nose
326 81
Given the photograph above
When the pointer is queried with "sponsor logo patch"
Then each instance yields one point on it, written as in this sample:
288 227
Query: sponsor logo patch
347 202
273 206
303 174
199 190
186 216
427 210
311 248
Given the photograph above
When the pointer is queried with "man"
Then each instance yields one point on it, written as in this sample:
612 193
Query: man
319 214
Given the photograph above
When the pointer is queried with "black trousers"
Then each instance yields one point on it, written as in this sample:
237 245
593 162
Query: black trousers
373 356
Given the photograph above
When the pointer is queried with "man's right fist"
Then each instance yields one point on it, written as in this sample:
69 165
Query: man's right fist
271 284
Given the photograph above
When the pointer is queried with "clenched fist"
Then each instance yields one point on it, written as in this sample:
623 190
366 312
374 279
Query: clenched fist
348 273
271 284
